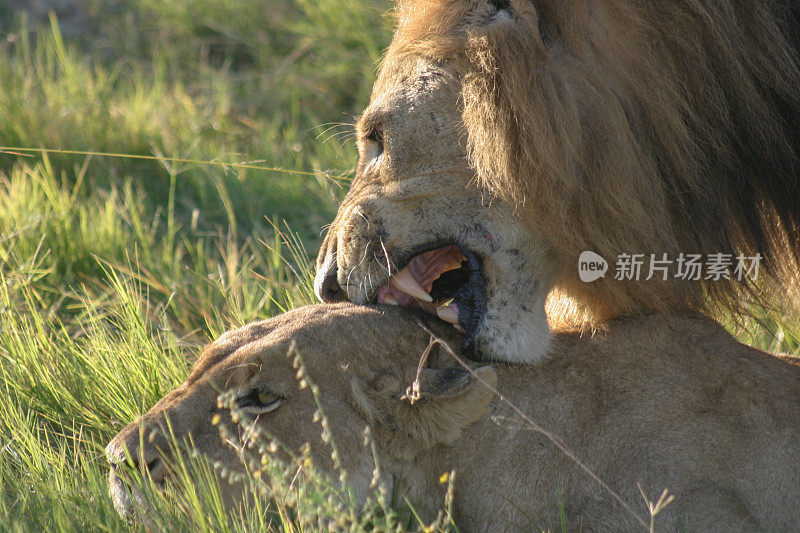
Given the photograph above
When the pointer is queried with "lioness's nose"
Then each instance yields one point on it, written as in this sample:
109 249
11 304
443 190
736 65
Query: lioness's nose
132 443
326 285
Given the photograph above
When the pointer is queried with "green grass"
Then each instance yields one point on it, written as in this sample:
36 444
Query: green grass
113 271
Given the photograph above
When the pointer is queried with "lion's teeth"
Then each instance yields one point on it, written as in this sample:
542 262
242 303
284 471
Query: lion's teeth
404 281
389 299
448 314
460 329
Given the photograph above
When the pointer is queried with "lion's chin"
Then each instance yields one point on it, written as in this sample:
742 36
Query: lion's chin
446 281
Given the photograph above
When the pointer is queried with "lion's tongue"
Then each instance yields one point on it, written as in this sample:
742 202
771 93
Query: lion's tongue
411 286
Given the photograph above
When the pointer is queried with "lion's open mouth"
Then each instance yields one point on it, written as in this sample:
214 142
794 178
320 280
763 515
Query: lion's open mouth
446 282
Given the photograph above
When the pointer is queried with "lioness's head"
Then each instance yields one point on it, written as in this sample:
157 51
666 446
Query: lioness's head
362 359
505 138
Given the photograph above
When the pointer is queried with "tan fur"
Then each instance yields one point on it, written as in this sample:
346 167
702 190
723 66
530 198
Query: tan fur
612 126
678 405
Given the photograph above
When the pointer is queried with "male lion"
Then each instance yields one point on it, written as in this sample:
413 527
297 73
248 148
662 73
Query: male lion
677 405
506 137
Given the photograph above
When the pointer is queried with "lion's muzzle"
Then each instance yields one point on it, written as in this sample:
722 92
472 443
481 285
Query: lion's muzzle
445 281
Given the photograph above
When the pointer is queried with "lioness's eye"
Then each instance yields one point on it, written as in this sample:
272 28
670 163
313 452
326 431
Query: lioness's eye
258 402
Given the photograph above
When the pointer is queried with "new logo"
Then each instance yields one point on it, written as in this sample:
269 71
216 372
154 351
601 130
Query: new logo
591 266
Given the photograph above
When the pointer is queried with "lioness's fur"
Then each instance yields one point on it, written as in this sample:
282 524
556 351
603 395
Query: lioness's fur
614 126
680 406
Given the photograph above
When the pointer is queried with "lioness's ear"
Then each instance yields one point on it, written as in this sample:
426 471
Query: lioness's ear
450 399
439 383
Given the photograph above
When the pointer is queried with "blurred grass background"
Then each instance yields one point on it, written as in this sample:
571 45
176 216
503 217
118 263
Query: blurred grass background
114 270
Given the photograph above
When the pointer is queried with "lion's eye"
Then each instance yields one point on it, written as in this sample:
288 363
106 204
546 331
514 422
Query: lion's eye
258 402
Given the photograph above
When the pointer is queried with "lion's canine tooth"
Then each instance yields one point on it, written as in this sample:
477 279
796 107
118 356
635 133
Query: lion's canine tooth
448 314
404 281
389 299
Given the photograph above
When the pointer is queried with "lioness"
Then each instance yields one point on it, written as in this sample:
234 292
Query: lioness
504 138
681 406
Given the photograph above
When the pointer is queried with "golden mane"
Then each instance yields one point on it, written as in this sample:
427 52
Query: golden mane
633 127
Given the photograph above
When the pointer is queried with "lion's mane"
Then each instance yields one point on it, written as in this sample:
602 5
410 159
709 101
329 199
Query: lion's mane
623 126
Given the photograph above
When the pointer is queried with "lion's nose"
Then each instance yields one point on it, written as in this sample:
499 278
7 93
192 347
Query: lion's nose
326 285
